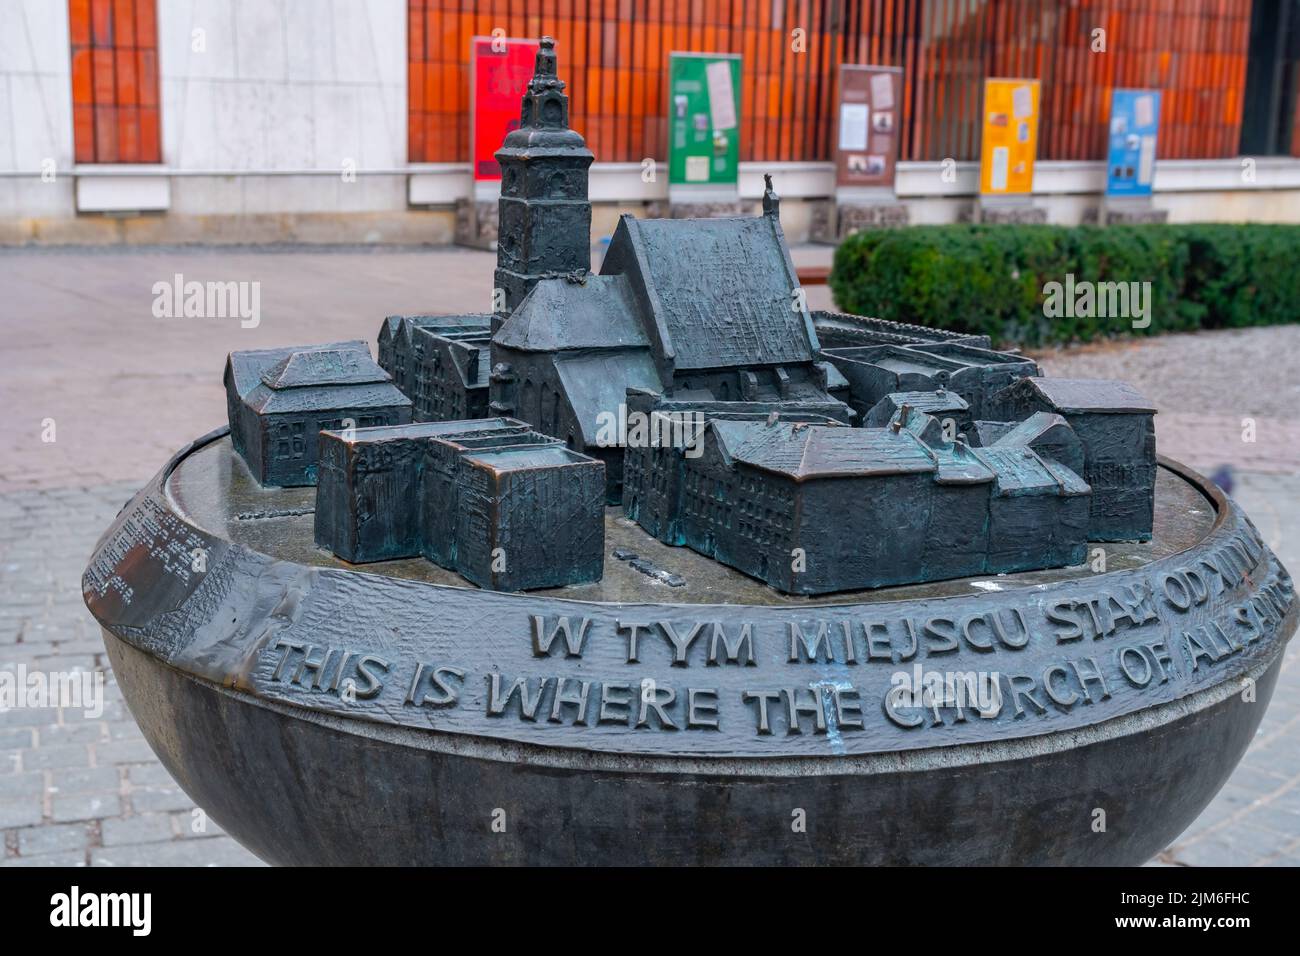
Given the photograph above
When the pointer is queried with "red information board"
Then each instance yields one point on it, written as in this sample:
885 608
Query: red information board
499 70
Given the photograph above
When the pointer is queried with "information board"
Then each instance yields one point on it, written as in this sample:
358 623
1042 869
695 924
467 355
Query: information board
703 118
867 124
500 69
1010 138
1134 126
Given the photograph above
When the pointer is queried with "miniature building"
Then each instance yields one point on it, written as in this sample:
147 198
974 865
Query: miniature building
693 309
995 370
278 401
507 508
369 493
1049 435
653 467
815 508
441 362
973 373
1115 424
530 516
544 213
940 403
840 330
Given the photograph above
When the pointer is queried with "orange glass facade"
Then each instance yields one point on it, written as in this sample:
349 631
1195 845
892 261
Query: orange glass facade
114 81
614 55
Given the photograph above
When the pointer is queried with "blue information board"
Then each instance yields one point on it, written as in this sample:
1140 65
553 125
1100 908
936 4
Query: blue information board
1131 160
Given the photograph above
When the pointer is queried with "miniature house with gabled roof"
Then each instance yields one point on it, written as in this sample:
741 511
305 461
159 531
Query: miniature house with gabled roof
279 400
1115 424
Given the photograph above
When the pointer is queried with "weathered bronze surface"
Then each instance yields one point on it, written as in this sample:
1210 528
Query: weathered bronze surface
716 703
323 715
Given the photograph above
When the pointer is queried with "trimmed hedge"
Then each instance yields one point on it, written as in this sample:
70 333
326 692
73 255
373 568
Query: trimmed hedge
992 279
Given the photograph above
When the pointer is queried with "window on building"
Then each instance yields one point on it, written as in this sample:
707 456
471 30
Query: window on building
1272 75
115 112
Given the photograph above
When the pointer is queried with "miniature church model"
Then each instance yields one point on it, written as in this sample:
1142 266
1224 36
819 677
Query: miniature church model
833 453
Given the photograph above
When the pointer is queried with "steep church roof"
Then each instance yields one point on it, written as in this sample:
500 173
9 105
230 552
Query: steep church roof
598 312
719 293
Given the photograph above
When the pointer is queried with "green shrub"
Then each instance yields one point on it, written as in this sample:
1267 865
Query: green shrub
995 279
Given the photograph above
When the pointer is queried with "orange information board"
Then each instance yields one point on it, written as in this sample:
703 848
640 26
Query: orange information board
1010 139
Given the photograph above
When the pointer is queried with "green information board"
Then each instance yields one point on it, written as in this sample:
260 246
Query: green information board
703 118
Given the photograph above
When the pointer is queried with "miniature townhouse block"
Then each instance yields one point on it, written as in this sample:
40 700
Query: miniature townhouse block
654 468
1038 514
996 370
878 370
502 505
440 487
940 403
768 497
440 362
1116 426
369 488
279 400
530 516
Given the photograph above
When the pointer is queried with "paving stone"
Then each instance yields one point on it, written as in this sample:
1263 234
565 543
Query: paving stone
146 828
49 758
107 779
155 800
83 733
21 784
218 851
124 751
195 825
151 775
55 838
85 806
20 812
124 730
48 859
18 738
28 716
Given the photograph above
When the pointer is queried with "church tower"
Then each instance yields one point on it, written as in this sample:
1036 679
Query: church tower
545 217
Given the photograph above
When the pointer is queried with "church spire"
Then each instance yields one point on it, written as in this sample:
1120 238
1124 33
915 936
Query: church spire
771 201
544 225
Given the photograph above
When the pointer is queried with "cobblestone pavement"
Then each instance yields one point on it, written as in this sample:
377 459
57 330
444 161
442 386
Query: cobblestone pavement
1214 411
124 389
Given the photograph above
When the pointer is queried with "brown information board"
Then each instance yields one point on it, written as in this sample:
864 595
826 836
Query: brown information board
867 124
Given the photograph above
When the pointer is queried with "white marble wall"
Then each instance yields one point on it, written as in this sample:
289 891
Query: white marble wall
35 107
283 85
266 85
